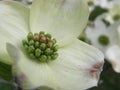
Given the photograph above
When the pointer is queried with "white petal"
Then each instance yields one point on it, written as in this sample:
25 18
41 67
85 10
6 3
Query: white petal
31 74
115 10
99 29
78 66
109 19
13 26
64 19
113 56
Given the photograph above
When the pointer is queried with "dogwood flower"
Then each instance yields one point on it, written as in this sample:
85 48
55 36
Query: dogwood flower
101 35
42 46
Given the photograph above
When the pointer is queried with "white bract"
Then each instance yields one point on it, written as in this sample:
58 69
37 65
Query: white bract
78 65
113 53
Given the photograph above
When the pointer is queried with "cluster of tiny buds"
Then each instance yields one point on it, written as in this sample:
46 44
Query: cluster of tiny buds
41 47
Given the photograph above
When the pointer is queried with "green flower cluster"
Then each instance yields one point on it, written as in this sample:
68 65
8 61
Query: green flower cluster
41 47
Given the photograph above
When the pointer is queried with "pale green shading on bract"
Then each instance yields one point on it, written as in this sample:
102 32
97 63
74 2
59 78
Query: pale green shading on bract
78 66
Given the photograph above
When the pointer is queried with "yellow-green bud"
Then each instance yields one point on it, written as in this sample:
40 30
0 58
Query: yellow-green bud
37 52
43 58
37 44
31 49
30 36
54 41
42 46
48 51
24 42
48 35
54 56
55 48
41 33
36 37
31 42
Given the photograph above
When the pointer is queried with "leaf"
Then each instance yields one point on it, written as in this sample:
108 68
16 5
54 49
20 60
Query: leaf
5 72
96 12
6 87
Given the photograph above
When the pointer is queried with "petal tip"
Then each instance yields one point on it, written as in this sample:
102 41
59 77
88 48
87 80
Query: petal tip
12 51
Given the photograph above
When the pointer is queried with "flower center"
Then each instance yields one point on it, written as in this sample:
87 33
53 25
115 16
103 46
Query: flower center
116 17
90 3
41 47
103 40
